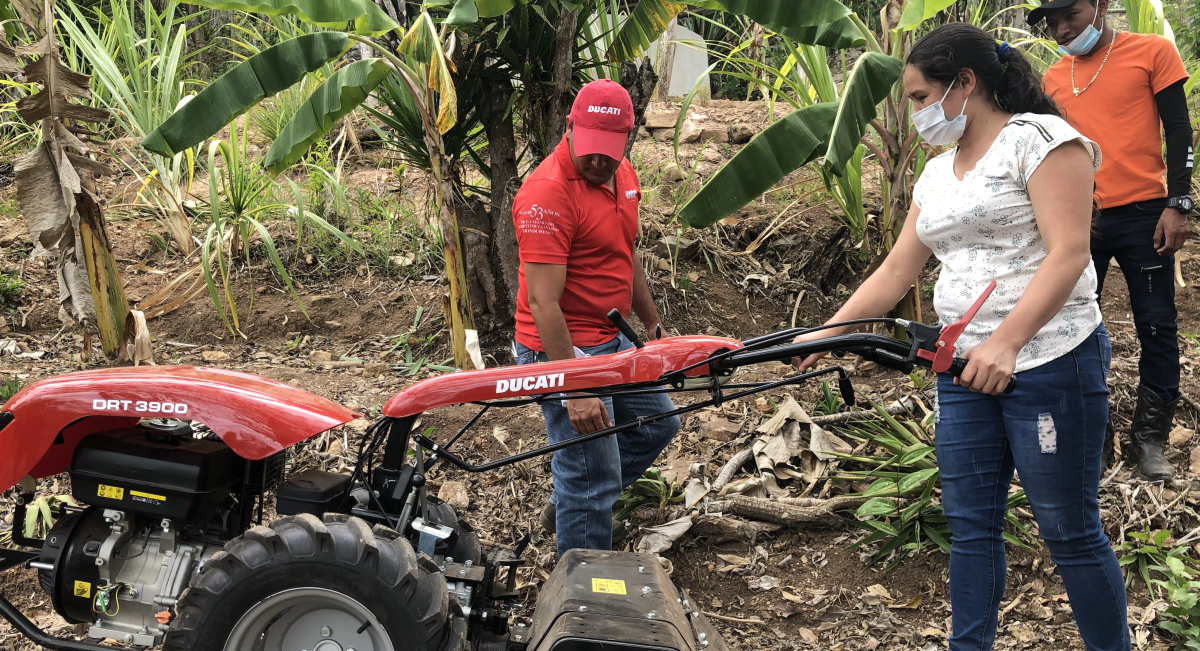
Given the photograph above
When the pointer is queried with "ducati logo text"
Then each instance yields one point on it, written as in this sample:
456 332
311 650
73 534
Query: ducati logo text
531 383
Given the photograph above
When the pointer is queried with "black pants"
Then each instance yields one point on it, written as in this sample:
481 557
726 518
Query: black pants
1127 234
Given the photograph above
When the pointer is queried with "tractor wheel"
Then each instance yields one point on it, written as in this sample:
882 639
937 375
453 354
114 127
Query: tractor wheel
304 583
462 545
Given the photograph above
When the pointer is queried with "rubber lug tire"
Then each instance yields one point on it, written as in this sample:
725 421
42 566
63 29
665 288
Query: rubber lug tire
377 567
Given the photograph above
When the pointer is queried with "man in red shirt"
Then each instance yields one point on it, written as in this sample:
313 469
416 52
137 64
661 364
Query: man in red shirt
576 219
1125 91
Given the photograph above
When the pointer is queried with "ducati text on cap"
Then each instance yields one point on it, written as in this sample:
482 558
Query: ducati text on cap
610 110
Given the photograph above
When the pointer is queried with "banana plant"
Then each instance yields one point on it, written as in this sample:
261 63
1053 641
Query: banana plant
421 62
870 112
141 81
56 186
823 22
1146 17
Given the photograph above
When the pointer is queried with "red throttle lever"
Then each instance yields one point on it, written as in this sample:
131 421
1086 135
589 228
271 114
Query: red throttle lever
943 357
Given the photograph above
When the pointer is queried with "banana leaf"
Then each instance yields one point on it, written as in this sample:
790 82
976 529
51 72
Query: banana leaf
1147 17
368 18
465 12
422 45
821 22
330 102
781 15
919 11
644 24
773 154
235 92
870 82
839 34
493 8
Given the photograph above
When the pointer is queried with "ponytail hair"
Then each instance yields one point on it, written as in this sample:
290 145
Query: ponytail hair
1001 71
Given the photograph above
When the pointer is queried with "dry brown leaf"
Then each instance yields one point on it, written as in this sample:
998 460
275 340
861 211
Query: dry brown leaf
875 595
9 65
734 560
791 597
783 609
137 343
1180 435
911 604
807 635
659 539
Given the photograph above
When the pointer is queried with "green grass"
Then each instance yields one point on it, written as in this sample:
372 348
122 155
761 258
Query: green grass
9 388
9 208
10 290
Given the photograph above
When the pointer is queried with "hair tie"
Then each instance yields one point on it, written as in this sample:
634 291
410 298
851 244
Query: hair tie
1002 52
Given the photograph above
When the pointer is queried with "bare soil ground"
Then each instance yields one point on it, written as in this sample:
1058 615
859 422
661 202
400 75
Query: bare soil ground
817 595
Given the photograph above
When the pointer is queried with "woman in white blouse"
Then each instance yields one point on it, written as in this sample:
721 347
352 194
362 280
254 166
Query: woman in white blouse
1012 202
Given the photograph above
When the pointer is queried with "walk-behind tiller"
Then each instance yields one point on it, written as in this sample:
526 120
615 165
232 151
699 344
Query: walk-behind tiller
171 464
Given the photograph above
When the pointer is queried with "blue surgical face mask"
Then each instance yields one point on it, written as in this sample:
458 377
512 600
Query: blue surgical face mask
1086 40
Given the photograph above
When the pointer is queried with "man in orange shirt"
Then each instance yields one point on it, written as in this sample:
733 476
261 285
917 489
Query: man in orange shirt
1117 89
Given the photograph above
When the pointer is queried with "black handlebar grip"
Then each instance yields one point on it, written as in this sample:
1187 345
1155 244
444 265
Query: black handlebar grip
614 315
959 365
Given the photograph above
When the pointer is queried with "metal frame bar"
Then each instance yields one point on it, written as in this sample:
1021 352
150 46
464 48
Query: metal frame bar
40 637
443 453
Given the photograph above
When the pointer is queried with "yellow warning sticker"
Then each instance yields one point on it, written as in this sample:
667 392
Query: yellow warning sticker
111 492
149 498
83 589
608 586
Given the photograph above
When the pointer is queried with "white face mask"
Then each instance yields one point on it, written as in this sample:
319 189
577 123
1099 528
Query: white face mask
935 128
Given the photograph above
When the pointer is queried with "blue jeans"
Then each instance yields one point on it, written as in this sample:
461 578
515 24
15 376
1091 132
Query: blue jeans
1051 430
589 478
1126 233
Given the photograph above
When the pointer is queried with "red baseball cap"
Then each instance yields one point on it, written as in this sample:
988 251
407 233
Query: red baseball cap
602 117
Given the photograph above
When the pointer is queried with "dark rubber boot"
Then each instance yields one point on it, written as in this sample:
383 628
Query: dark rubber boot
1148 435
548 519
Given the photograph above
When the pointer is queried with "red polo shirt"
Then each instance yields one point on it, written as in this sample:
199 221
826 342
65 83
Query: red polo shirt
563 219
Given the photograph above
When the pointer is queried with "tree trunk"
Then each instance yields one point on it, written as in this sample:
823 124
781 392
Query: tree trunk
666 60
563 93
640 83
503 260
1013 18
389 8
827 267
474 221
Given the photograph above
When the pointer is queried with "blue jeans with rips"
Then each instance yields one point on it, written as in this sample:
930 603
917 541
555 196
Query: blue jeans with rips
1051 431
589 478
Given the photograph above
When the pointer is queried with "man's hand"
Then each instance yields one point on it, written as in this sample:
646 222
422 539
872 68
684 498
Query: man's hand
588 415
1171 232
655 331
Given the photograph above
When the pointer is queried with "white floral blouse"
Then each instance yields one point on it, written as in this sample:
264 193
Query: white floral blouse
982 228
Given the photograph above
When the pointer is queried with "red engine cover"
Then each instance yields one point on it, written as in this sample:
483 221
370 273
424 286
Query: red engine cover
633 365
253 415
